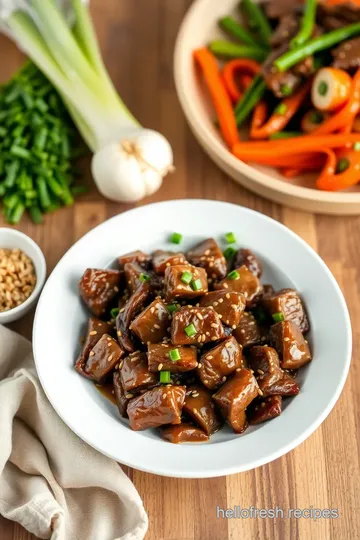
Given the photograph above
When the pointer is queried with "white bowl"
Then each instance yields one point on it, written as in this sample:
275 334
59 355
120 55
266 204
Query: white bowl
288 261
11 239
199 27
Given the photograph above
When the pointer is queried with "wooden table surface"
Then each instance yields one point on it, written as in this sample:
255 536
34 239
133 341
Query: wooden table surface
137 38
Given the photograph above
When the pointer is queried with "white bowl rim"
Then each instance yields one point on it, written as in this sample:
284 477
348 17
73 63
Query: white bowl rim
213 145
40 264
225 470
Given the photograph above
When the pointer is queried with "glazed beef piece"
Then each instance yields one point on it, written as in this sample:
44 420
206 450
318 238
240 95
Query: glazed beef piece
143 259
183 433
279 82
265 409
289 304
278 8
159 358
103 358
95 330
185 281
292 348
242 281
286 29
218 363
163 259
98 288
248 332
268 292
248 258
335 16
347 54
230 306
200 407
234 397
120 394
156 407
151 325
272 380
209 256
135 375
134 274
196 325
126 315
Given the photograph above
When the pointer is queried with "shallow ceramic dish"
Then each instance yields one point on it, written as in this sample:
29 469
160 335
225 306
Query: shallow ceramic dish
288 261
198 28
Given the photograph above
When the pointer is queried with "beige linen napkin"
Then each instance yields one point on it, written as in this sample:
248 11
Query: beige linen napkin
51 482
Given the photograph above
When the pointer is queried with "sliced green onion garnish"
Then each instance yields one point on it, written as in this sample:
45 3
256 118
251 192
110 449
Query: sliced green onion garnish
286 90
172 307
281 109
229 252
322 88
144 277
230 238
186 277
196 285
233 275
190 330
278 317
174 355
342 165
176 238
357 146
114 312
165 377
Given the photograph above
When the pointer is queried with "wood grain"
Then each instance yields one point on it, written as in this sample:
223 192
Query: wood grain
137 39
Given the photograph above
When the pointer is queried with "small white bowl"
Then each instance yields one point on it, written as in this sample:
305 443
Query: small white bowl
12 239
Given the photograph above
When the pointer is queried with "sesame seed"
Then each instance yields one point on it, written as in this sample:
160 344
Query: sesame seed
215 303
119 333
111 357
238 369
199 365
152 310
286 339
227 295
210 357
214 338
195 394
129 396
226 286
121 364
195 411
261 392
109 344
260 371
93 333
207 333
157 326
122 310
207 252
211 264
234 306
263 404
117 366
199 339
160 366
220 316
116 289
221 300
228 344
199 316
91 353
213 325
223 379
167 264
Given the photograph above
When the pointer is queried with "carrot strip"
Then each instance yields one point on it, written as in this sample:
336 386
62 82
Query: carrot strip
243 67
282 114
207 62
330 180
259 116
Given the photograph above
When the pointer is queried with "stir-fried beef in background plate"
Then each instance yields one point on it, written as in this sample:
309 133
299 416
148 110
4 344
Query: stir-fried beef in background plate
347 54
278 8
335 16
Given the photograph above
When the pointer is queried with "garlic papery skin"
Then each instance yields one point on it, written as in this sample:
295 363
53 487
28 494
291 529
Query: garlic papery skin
133 168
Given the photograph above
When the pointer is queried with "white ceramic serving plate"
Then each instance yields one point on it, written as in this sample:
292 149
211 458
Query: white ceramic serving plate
12 239
288 261
198 28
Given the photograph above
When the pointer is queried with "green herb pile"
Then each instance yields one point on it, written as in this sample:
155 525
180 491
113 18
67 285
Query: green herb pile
38 146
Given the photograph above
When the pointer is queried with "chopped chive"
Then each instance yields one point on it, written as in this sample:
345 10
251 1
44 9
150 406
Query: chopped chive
322 88
233 275
230 238
342 165
165 377
357 146
190 330
174 355
186 277
172 307
281 109
114 312
196 285
20 152
144 277
176 238
229 252
278 317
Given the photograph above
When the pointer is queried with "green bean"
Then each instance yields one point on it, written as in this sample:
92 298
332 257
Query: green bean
36 215
12 171
257 20
55 187
3 131
250 98
11 200
40 138
20 152
13 95
320 43
233 28
233 50
17 213
27 99
41 105
43 193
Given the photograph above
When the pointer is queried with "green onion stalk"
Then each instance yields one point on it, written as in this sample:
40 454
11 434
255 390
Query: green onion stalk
129 161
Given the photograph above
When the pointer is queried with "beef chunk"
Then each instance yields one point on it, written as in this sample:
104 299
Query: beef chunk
201 409
133 271
183 433
134 373
286 29
248 332
347 54
289 304
234 396
265 409
95 330
209 256
163 259
135 304
278 81
278 8
204 322
268 292
219 362
248 258
120 395
159 358
290 344
151 325
98 288
156 407
228 305
143 259
335 16
176 287
272 380
103 358
244 282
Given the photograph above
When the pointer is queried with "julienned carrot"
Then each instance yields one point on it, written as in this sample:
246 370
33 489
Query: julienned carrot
259 115
282 114
297 161
239 66
346 115
222 103
342 170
